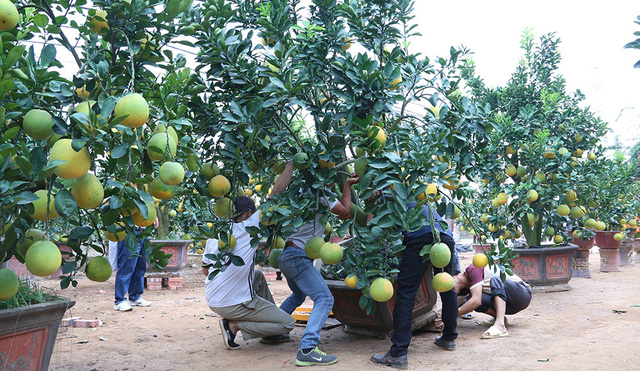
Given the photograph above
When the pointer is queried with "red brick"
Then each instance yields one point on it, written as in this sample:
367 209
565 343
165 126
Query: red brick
88 323
65 322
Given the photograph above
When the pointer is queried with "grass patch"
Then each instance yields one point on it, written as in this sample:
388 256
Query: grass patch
29 293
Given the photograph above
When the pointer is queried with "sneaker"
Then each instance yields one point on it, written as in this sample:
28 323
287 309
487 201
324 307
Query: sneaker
388 360
227 336
140 303
445 344
315 357
275 339
123 306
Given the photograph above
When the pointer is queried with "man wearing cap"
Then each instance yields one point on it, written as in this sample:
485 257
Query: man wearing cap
231 293
304 279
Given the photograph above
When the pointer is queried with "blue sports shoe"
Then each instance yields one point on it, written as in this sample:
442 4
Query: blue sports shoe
315 357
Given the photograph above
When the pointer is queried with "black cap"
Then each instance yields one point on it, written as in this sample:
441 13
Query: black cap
243 204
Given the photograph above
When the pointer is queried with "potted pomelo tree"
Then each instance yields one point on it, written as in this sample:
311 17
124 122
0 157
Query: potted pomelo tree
541 134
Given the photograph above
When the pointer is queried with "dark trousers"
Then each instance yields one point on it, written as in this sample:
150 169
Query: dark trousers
516 295
412 270
130 275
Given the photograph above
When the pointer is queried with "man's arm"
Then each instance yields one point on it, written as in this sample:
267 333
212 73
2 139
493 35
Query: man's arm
473 302
283 180
343 208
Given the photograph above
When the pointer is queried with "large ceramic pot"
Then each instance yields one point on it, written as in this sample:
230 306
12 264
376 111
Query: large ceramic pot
347 310
177 249
625 252
580 265
545 268
27 335
608 251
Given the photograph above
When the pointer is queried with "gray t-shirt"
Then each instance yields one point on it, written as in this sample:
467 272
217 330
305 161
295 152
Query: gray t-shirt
313 229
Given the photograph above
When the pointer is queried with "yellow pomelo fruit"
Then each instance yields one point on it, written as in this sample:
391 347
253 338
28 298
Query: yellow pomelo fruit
273 258
88 191
394 85
480 260
351 281
161 144
379 135
590 223
456 212
521 171
331 253
278 243
219 186
141 221
9 16
313 246
558 238
326 164
347 44
578 152
85 107
269 41
502 198
173 213
511 170
576 233
160 190
77 163
43 258
98 22
223 208
540 177
82 92
40 206
162 128
442 282
532 218
9 282
171 173
576 212
452 183
119 235
440 255
30 236
591 156
510 150
563 151
227 245
600 226
571 196
38 124
381 290
136 108
431 191
563 210
549 231
301 161
632 223
532 195
98 269
248 192
327 228
278 167
210 170
619 236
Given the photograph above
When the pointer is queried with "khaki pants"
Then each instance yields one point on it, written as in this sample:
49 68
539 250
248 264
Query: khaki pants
258 317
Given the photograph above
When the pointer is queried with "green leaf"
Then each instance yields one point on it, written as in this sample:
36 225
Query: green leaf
81 233
77 144
47 55
25 198
119 151
65 203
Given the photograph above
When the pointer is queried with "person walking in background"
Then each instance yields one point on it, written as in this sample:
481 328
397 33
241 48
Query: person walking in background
130 278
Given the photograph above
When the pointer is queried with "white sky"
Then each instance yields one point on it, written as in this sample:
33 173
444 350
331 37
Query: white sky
592 35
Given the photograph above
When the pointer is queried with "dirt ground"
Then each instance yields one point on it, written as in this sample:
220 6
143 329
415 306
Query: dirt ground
593 326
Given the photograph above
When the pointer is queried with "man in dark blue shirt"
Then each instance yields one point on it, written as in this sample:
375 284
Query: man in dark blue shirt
412 269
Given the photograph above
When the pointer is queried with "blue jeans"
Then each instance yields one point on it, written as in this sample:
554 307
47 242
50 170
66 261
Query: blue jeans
305 280
130 275
412 270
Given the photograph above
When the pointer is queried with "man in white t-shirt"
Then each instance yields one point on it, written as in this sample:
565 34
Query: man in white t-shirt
231 292
303 278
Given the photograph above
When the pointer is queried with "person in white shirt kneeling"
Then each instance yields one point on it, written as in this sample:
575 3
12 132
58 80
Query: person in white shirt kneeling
240 295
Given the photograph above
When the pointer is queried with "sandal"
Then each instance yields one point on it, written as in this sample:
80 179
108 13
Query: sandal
493 333
492 321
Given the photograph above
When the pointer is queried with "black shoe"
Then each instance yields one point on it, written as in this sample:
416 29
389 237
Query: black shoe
388 360
275 339
228 337
445 344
